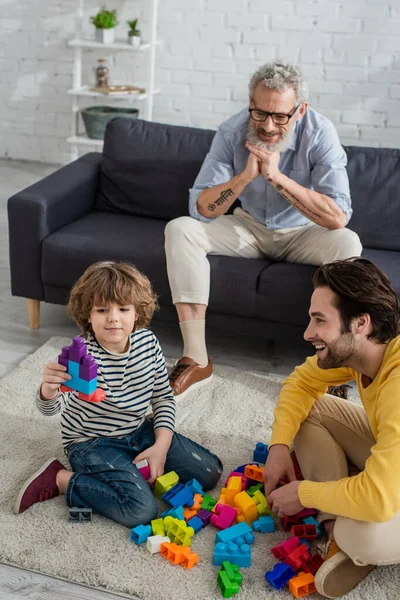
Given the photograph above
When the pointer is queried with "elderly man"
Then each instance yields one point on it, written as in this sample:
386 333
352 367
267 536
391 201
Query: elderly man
285 164
354 328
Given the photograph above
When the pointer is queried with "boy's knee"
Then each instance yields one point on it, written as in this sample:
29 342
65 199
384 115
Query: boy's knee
213 474
133 514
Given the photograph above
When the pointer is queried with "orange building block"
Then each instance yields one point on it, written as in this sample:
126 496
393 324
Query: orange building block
302 584
247 508
254 472
179 555
198 499
189 513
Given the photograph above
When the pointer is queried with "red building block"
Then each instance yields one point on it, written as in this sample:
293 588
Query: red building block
289 521
296 558
313 564
283 549
308 532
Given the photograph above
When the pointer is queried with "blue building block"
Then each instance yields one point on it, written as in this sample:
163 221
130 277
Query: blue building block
264 524
177 513
195 487
312 521
196 523
260 453
306 543
78 384
178 495
238 555
280 575
140 533
229 534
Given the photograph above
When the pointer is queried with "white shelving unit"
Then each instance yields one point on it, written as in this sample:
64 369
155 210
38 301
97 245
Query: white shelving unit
80 89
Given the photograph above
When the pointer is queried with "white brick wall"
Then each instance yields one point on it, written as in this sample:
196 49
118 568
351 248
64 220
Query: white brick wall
350 52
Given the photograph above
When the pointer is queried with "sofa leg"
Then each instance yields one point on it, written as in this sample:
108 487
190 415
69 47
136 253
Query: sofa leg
33 312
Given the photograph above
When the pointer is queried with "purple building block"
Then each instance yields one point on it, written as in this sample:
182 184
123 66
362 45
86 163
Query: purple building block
88 368
64 357
205 516
77 350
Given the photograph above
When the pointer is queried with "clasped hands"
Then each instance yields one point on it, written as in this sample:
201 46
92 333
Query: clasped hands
284 500
268 162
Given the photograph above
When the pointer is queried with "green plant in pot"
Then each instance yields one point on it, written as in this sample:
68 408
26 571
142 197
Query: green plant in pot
133 33
105 22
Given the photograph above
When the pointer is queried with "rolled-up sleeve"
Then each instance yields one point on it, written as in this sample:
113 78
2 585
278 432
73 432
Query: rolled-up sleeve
217 168
329 175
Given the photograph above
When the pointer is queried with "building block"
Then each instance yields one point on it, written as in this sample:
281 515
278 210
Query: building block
234 532
279 575
289 521
179 495
224 516
242 467
238 555
205 516
157 527
195 523
264 524
306 543
198 499
254 488
312 521
254 472
177 513
261 503
79 515
260 453
296 558
140 533
208 502
302 585
229 579
233 488
179 555
83 370
237 474
178 531
165 483
307 512
246 507
308 532
283 549
195 487
143 468
312 564
154 543
188 513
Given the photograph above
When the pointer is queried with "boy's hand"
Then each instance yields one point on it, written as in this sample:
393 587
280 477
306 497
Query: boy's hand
277 466
156 458
54 375
285 500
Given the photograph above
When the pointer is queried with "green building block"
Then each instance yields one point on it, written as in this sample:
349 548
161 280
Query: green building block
229 579
254 488
208 502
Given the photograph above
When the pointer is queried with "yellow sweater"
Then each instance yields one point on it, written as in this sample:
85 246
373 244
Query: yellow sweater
374 494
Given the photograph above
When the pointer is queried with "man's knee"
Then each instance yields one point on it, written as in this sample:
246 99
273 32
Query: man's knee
345 243
365 543
178 228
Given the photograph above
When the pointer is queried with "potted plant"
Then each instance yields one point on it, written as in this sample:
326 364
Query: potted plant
105 21
133 33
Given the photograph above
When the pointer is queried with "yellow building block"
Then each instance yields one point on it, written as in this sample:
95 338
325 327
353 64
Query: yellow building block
165 483
261 502
232 489
157 527
247 508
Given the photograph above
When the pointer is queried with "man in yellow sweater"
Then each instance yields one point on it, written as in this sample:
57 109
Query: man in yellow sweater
354 327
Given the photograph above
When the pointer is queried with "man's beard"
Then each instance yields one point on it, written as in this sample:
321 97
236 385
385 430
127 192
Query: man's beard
282 145
338 354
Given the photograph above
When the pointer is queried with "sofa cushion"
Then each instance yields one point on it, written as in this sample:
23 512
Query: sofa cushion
284 293
374 175
389 262
147 168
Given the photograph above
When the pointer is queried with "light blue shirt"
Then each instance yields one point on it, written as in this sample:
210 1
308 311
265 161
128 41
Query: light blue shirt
315 160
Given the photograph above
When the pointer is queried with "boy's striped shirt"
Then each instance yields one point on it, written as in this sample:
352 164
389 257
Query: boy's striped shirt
133 382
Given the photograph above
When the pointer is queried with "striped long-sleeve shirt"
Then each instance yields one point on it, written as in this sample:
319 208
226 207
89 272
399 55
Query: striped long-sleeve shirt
132 381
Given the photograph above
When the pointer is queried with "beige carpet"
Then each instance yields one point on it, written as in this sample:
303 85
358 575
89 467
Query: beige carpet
229 416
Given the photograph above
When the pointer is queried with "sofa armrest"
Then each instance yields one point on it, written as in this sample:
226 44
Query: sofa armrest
39 210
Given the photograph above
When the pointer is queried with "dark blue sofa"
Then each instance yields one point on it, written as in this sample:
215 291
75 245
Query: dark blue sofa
115 205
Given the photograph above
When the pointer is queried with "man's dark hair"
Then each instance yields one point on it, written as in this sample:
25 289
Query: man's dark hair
362 288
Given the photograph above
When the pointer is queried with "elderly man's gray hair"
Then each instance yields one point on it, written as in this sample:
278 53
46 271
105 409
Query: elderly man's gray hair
278 75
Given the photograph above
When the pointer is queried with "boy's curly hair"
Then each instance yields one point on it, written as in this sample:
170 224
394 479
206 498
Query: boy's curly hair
111 282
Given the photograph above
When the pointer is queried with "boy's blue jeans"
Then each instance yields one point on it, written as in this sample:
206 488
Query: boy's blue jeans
106 480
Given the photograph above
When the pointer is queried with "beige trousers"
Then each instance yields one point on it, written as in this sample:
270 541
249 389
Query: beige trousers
188 241
335 431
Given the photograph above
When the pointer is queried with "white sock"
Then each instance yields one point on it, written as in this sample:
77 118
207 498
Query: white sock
194 340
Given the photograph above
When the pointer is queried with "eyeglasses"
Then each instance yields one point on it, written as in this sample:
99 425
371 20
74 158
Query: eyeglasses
277 118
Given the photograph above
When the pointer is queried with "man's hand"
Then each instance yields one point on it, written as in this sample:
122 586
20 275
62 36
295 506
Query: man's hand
54 375
269 162
277 466
285 500
156 458
252 168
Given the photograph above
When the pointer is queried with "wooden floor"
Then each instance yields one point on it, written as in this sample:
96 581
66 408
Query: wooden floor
17 341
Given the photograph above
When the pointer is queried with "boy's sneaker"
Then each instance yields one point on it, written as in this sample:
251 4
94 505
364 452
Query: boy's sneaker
39 487
187 375
338 574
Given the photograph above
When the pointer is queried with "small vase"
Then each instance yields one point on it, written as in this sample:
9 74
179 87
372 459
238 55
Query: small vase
102 73
134 40
105 36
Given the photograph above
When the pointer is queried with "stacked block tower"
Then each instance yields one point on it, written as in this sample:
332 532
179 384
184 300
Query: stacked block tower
83 370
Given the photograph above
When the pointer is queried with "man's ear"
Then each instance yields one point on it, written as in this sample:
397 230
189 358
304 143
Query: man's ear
362 323
301 111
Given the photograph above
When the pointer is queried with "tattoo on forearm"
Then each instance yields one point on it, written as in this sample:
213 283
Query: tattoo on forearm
223 197
307 212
